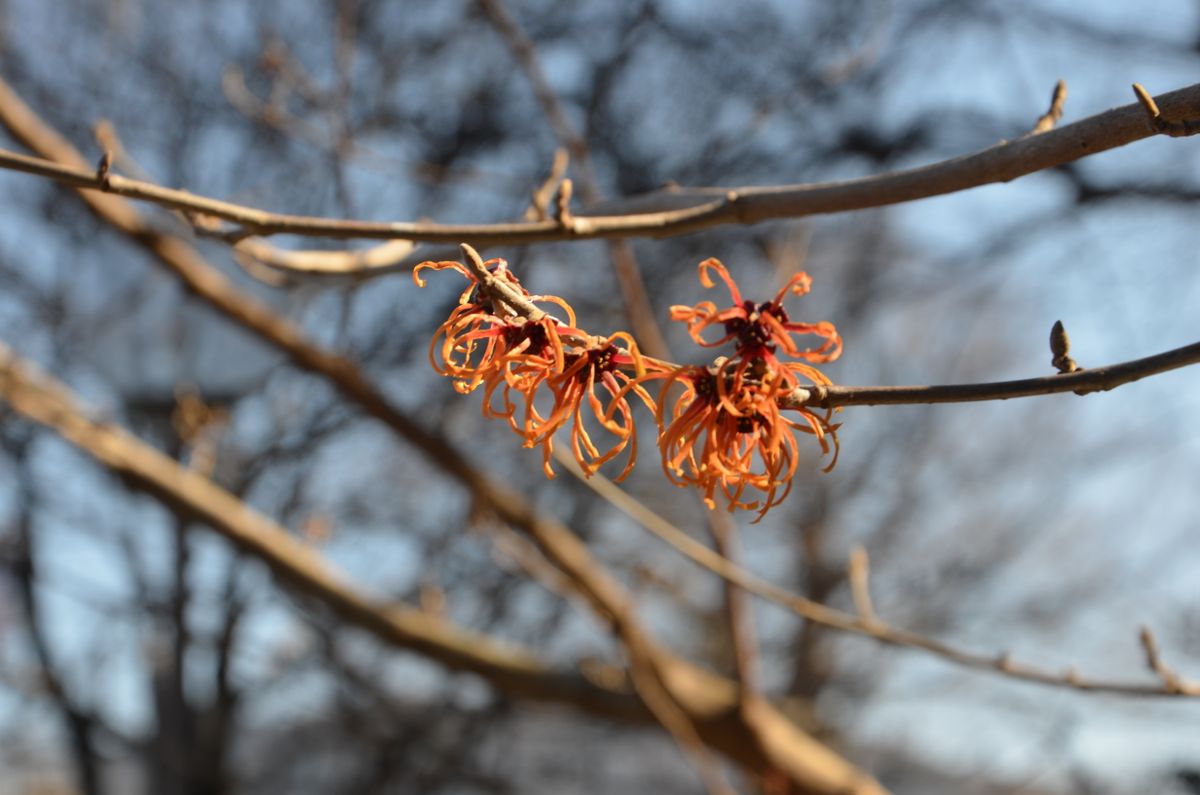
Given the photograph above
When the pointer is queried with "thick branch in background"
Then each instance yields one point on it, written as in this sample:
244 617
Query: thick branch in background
680 210
767 744
512 670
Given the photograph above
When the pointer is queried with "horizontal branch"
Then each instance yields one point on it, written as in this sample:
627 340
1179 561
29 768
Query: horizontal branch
1080 381
1097 379
678 211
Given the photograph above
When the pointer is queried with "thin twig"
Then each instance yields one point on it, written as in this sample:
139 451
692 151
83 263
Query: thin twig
382 258
1170 680
739 608
858 572
1095 379
1047 120
833 618
540 198
499 289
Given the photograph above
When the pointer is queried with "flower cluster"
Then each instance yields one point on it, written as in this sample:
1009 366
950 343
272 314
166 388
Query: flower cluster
515 357
726 430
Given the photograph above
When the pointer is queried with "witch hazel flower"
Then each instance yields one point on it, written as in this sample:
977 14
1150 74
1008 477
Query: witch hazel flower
726 431
518 357
729 429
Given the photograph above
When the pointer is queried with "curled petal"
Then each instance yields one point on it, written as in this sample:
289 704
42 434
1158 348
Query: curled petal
438 266
799 284
715 264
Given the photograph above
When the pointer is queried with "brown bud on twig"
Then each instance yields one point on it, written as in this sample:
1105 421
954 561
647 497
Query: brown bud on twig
103 167
1060 346
1048 119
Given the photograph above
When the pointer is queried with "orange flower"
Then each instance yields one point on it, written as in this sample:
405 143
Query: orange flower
477 345
518 357
598 362
726 430
757 329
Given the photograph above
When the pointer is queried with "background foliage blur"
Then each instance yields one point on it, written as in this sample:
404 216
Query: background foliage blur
1051 527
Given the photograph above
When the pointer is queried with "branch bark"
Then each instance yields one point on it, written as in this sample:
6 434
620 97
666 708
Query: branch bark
673 211
1095 379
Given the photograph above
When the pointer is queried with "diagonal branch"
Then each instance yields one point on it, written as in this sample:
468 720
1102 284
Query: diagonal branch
710 702
675 211
864 621
512 670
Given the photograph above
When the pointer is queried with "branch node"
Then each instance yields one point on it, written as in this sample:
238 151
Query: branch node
1175 129
103 168
732 199
1154 661
1004 662
1048 119
501 292
562 205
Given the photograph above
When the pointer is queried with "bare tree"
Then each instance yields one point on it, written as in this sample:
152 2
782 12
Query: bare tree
444 618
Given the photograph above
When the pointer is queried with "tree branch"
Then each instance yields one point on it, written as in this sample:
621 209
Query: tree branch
78 720
674 211
1078 380
1095 379
865 621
